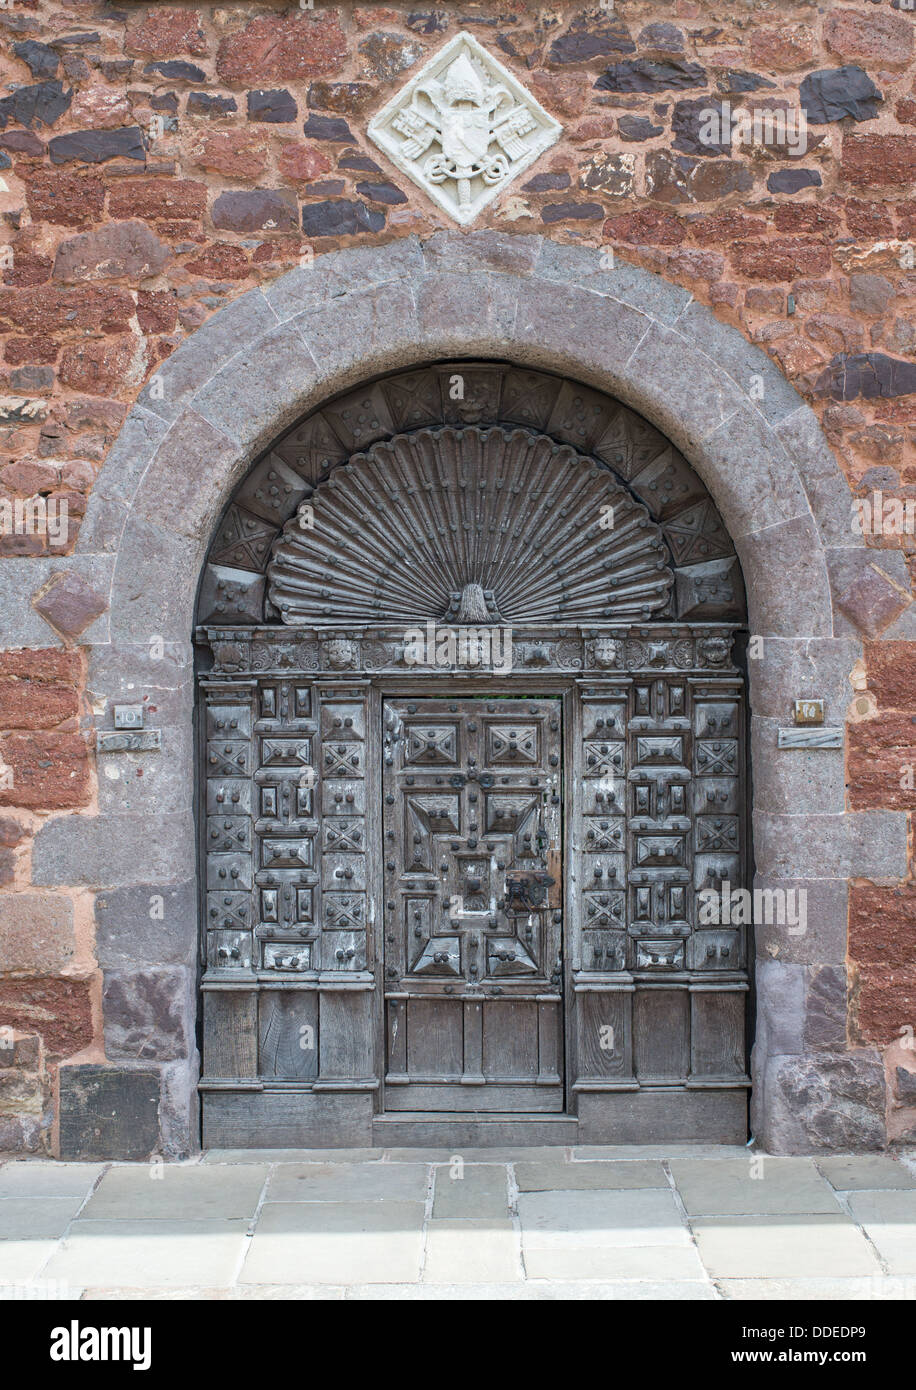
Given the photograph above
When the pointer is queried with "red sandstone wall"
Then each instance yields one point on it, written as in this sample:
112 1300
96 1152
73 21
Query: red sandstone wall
124 127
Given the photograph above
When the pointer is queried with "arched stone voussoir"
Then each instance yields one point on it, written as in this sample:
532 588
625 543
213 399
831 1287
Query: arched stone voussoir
260 390
272 356
206 352
154 586
752 476
183 487
788 586
585 267
826 485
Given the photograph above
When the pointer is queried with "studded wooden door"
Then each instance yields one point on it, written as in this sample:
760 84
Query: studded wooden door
473 926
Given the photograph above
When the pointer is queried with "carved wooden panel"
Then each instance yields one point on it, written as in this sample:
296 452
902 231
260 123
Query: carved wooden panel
286 845
660 989
407 530
228 720
473 923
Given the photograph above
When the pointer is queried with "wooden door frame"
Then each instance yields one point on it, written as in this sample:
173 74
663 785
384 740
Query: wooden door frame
521 687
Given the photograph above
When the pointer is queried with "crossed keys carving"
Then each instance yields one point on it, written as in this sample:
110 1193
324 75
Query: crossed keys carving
466 114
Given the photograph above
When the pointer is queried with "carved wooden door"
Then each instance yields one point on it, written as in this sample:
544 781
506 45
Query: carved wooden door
473 927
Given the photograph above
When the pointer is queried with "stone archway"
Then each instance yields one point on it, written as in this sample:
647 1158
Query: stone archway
516 598
265 360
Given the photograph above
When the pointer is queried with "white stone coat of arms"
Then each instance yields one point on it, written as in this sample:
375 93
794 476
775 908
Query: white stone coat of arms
463 128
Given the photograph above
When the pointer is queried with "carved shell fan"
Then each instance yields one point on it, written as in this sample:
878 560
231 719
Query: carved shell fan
473 526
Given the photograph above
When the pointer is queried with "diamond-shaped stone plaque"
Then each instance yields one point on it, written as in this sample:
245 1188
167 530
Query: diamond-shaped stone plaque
463 128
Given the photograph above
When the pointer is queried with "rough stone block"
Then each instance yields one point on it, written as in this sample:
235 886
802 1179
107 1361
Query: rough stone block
824 920
355 268
45 771
885 1002
882 923
117 250
652 295
870 588
38 689
859 844
156 579
881 757
608 331
699 396
798 780
189 470
891 668
786 580
59 1010
246 211
769 493
780 1007
69 604
108 1112
379 326
755 374
825 1009
146 925
826 1102
147 1014
127 459
798 668
154 781
36 932
454 252
114 851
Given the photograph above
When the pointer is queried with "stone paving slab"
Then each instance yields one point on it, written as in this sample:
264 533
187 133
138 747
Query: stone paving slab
887 1207
866 1171
472 1252
783 1247
216 1157
753 1186
165 1252
472 1191
336 1243
597 1223
518 1291
611 1292
23 1260
28 1178
473 1154
36 1218
588 1220
889 1221
182 1293
878 1286
550 1175
635 1152
344 1182
175 1192
659 1263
